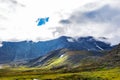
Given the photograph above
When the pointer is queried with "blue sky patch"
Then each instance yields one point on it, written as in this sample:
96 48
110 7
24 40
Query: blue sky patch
42 21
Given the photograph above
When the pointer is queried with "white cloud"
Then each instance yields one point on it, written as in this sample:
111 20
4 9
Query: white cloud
18 22
1 45
100 22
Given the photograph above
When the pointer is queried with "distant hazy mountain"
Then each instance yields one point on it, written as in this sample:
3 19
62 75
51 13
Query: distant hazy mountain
26 50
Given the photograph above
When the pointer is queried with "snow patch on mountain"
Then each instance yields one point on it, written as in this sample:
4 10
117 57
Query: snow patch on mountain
70 40
61 56
99 47
104 39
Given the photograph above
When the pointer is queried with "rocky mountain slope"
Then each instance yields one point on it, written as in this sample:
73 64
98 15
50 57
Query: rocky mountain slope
75 58
112 58
65 57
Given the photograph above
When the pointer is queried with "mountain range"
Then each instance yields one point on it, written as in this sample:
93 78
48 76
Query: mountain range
26 50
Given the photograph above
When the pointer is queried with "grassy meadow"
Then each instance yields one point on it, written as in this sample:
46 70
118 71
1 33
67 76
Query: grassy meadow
44 74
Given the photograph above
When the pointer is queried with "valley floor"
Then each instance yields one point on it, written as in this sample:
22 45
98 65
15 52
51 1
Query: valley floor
37 74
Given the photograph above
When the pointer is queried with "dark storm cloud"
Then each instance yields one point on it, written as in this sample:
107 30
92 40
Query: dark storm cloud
65 21
105 14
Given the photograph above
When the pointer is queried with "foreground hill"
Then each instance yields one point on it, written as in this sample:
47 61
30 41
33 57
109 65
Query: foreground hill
112 58
65 58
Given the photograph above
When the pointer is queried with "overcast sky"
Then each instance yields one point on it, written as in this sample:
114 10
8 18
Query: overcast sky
75 18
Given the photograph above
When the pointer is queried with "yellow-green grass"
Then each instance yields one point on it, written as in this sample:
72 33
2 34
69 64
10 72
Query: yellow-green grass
103 74
55 62
58 61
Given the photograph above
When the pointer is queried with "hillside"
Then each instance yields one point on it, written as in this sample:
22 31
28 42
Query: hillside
75 58
64 58
112 58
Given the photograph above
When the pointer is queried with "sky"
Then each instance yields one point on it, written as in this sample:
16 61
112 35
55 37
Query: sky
74 18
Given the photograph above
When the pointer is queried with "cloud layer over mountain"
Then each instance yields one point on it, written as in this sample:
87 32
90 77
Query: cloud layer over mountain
67 17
